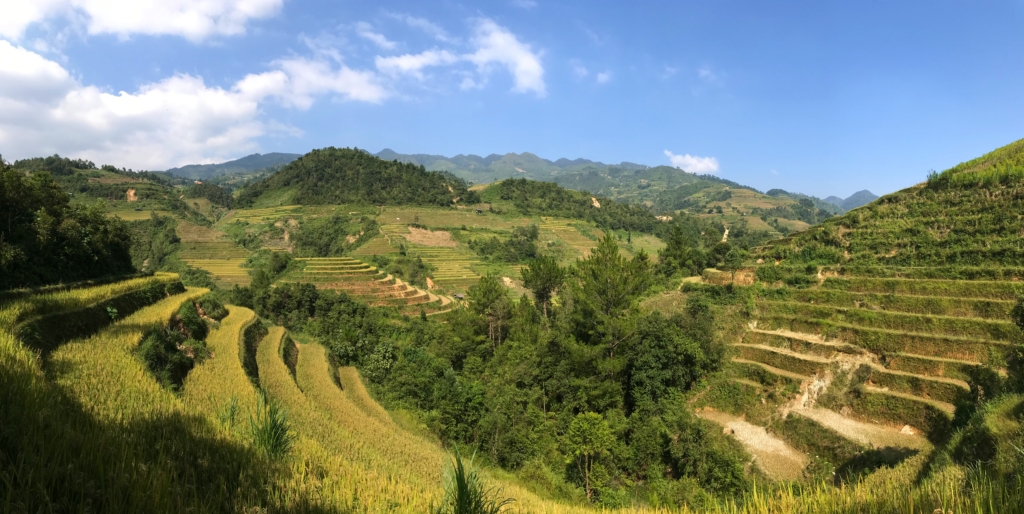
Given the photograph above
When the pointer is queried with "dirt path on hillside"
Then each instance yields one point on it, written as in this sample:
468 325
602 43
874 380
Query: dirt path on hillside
726 235
776 458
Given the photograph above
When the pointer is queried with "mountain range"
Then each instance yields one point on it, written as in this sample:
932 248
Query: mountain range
248 163
855 200
626 181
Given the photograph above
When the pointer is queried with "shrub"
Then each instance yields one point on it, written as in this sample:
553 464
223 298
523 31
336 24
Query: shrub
189 322
169 355
769 273
212 307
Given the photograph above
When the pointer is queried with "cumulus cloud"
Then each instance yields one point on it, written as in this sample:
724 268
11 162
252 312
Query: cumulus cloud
412 64
692 163
525 4
603 77
495 45
193 19
365 31
425 25
180 119
298 80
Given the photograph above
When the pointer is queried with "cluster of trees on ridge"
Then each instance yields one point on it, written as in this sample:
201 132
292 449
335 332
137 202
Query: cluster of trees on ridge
332 176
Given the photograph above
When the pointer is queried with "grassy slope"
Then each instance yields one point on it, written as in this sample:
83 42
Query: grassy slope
969 215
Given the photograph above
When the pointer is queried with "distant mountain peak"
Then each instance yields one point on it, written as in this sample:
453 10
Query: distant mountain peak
251 162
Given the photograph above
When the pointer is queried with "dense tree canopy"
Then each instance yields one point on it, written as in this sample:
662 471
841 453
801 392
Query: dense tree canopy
590 394
550 199
214 194
44 239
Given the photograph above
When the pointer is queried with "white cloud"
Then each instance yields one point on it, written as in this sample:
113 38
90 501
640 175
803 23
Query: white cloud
692 163
298 80
425 25
773 172
707 75
496 45
669 72
413 64
604 77
525 4
365 31
578 69
192 19
178 120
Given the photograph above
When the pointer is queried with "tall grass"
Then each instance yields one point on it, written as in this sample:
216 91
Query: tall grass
466 493
269 428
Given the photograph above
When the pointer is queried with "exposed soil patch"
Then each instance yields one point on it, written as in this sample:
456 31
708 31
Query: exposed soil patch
431 238
875 436
131 195
776 458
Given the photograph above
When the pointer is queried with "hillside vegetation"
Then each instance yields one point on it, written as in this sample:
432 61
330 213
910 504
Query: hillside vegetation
333 176
887 338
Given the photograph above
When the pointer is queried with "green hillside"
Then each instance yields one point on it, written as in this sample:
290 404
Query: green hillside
333 176
968 215
890 336
663 189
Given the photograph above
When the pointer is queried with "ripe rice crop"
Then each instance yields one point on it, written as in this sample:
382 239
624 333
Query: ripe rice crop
421 460
18 310
103 375
220 381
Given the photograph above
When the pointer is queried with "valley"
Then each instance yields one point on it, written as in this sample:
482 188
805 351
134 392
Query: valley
330 337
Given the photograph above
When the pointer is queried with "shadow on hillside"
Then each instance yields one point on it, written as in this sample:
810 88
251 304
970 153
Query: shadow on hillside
871 460
57 456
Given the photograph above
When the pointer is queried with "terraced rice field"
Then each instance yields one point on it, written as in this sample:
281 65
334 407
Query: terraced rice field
376 246
889 357
554 228
364 283
223 259
454 217
261 215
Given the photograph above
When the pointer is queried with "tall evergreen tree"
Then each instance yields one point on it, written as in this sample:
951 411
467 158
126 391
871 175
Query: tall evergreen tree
543 277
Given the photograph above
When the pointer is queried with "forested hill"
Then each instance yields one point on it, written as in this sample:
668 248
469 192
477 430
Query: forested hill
334 176
968 215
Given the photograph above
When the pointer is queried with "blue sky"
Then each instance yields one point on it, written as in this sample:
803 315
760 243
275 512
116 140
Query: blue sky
824 98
